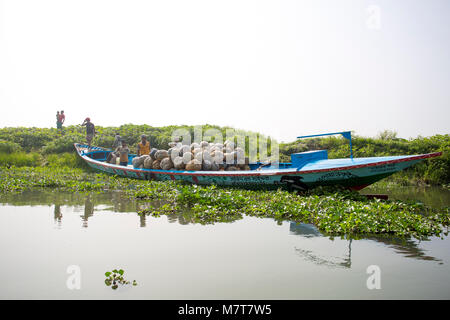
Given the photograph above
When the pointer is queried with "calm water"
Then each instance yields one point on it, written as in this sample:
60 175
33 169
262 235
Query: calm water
42 234
433 196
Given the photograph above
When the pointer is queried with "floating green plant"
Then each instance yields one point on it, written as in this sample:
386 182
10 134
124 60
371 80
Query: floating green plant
115 278
333 211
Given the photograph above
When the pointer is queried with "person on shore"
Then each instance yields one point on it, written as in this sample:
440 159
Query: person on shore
58 121
90 130
62 117
117 139
143 146
123 152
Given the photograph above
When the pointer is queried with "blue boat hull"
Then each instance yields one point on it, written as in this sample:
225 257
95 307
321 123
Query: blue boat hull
353 173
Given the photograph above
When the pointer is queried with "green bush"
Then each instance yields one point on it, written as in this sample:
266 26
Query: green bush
438 170
28 138
9 147
63 144
20 159
62 160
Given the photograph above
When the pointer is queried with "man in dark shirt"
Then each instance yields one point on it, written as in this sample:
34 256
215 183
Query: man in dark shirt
90 130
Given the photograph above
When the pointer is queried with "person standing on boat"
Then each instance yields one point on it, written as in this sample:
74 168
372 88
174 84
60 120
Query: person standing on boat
123 152
90 130
143 146
116 144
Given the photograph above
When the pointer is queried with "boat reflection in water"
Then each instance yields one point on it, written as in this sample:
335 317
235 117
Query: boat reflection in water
310 231
407 247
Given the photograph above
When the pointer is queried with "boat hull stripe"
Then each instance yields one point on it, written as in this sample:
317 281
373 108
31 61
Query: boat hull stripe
260 173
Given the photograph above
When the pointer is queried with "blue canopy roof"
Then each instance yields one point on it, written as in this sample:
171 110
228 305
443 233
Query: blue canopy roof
346 134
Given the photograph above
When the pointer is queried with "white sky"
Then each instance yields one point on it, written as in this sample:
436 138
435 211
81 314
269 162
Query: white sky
283 68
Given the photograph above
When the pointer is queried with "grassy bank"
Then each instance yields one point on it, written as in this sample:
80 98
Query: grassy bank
43 147
18 179
334 212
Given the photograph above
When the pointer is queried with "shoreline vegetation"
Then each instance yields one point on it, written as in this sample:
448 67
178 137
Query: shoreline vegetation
33 158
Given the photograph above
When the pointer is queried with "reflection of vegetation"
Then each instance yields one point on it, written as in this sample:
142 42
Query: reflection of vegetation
88 211
406 247
90 202
142 220
115 278
115 201
57 214
436 197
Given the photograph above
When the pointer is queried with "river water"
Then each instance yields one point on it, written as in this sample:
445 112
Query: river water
59 245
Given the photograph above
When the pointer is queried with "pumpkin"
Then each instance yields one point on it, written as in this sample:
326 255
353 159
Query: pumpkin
178 163
161 154
194 165
187 156
148 162
156 164
206 165
166 164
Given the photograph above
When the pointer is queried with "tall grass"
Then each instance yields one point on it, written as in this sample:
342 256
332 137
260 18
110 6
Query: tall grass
20 159
9 147
34 159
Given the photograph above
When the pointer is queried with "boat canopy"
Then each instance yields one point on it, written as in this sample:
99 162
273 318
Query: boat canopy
346 134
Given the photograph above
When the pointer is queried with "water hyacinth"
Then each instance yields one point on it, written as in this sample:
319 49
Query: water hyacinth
339 213
115 278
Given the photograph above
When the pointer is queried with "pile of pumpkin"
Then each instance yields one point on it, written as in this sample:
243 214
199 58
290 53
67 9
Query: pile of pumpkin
197 156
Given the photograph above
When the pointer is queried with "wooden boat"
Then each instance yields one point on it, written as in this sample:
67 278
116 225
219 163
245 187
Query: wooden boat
306 170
